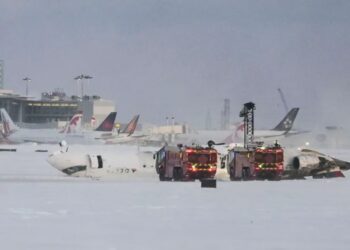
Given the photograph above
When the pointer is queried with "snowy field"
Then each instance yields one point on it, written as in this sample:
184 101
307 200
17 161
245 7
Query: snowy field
40 208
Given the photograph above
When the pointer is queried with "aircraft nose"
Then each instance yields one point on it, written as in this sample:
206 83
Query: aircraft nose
54 160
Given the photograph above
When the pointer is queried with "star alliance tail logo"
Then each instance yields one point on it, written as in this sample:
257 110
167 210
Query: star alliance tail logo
287 123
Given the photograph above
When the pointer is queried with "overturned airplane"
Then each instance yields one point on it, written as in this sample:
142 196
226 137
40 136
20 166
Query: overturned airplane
312 163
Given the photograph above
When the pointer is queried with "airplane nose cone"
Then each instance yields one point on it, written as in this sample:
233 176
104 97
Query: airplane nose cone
54 160
68 163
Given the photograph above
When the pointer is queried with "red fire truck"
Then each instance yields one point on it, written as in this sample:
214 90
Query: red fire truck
253 161
186 163
256 163
268 162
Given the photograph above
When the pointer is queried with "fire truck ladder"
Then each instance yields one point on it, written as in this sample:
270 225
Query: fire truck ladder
248 113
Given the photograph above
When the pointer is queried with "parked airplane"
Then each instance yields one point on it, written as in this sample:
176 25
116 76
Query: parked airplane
72 132
120 161
126 135
14 134
104 130
283 129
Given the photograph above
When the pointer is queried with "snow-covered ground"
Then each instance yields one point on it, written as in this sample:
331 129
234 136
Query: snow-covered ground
40 208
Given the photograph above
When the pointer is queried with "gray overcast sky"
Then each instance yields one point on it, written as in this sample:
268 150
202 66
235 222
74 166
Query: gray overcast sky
182 58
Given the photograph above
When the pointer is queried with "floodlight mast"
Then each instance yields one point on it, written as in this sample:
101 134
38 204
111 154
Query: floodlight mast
27 81
248 114
88 78
79 79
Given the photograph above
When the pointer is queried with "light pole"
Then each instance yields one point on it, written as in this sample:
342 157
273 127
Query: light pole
79 79
27 81
172 128
87 77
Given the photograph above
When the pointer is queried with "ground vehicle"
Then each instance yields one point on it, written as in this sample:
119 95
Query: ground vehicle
186 163
255 163
268 162
239 162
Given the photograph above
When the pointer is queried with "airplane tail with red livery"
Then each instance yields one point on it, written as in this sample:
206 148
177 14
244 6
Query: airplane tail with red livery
8 126
130 128
74 124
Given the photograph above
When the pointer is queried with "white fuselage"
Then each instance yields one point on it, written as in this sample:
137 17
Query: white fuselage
53 136
124 162
36 135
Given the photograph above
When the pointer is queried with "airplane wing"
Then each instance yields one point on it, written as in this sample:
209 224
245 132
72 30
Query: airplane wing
313 163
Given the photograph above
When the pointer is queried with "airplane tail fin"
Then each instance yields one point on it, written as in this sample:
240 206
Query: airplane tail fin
9 127
130 128
108 124
74 124
287 122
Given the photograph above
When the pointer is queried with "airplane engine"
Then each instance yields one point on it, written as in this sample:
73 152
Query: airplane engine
305 161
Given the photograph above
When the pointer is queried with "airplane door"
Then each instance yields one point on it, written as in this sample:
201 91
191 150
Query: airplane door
96 161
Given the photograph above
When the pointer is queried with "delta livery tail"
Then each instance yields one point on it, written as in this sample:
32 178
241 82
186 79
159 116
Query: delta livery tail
130 128
127 134
108 124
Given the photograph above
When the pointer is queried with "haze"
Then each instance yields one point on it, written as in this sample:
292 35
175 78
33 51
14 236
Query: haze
182 58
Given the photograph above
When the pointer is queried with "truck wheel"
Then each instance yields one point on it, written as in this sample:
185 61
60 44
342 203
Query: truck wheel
232 174
276 177
162 176
177 174
245 173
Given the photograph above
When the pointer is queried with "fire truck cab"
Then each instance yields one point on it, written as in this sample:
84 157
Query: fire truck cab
239 163
186 163
256 163
268 162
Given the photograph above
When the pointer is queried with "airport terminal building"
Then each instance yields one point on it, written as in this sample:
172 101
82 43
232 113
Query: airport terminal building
54 109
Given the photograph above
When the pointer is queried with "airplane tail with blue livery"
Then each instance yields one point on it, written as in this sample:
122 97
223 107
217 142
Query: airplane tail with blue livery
283 129
108 124
287 122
